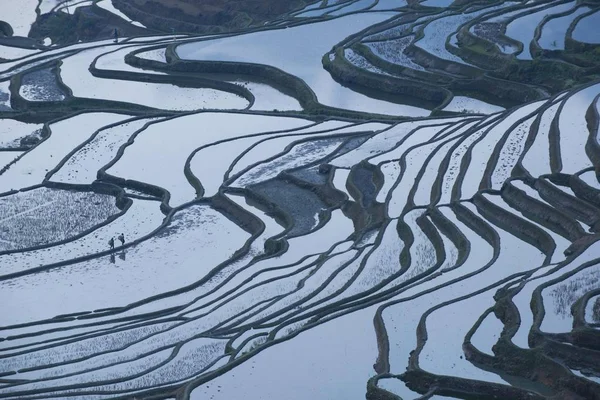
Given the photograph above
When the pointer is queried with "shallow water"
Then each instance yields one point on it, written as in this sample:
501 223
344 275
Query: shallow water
298 50
587 30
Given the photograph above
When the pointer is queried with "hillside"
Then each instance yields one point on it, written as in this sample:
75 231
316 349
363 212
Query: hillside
366 199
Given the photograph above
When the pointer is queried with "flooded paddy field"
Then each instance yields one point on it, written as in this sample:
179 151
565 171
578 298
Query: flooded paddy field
370 199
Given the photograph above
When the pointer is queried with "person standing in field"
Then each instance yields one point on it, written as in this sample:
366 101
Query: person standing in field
121 237
111 243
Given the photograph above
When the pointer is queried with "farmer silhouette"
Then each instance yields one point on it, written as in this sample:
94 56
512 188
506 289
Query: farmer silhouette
121 237
116 35
111 243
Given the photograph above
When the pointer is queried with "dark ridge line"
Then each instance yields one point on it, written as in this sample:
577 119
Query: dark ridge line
177 60
191 177
125 345
223 298
538 308
277 243
178 80
554 140
66 340
363 296
95 134
578 310
121 202
54 65
163 194
401 90
143 355
453 234
229 278
466 159
449 138
519 169
389 293
288 323
308 326
348 283
56 69
553 219
294 316
48 344
475 328
437 185
46 132
516 226
402 159
571 28
464 216
231 343
572 207
248 280
464 69
176 348
400 70
43 60
406 236
231 178
70 102
142 197
76 260
410 19
476 356
241 347
505 308
303 93
465 32
528 11
346 147
556 372
66 53
422 335
494 159
554 134
401 141
452 128
573 357
592 147
301 271
94 383
550 185
166 221
102 175
282 311
540 26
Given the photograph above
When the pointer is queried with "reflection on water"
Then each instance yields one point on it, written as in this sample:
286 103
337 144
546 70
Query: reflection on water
298 51
121 256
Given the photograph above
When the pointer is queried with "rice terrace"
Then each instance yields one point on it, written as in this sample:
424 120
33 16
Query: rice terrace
300 200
